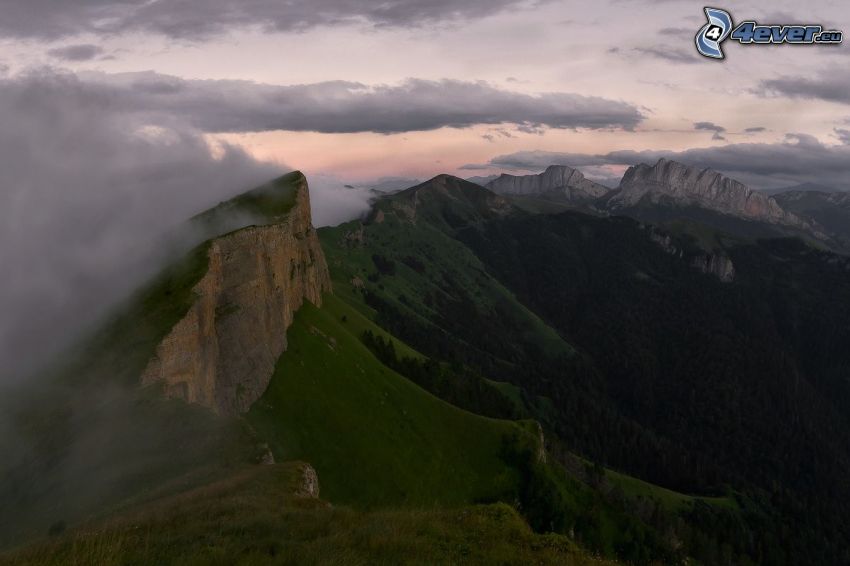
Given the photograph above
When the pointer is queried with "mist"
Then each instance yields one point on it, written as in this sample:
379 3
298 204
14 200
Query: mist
86 191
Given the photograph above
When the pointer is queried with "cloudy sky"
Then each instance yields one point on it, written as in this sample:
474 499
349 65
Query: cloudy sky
120 118
360 90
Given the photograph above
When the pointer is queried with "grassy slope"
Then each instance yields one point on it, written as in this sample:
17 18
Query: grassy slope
671 500
374 437
208 525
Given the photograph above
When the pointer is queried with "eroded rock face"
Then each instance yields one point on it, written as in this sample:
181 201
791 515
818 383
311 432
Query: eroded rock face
556 178
223 352
704 187
717 264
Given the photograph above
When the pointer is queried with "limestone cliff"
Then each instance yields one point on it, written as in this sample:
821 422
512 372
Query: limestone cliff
223 352
555 179
703 187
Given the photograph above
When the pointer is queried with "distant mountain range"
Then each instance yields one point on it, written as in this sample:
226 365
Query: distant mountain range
669 190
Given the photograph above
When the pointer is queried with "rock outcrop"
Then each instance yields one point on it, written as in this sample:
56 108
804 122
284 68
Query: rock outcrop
702 187
714 262
223 352
717 264
556 179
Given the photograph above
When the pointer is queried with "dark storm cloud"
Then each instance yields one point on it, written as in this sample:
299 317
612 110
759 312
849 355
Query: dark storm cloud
711 127
800 158
84 193
832 85
196 19
84 52
347 107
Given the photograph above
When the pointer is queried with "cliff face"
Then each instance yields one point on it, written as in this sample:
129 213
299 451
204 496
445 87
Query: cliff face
705 188
556 178
223 352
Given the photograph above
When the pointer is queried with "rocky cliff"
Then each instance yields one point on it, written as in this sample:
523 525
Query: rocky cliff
703 187
223 352
557 178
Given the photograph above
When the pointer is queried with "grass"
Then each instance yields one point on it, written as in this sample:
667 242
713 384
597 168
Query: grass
255 517
267 204
673 501
375 438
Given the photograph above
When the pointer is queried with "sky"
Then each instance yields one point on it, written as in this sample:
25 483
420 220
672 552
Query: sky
121 118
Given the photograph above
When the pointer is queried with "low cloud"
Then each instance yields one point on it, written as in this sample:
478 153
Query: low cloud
755 130
85 191
348 107
800 158
200 19
83 52
333 202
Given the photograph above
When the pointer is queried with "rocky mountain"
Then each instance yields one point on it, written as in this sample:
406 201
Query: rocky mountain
685 185
222 353
555 179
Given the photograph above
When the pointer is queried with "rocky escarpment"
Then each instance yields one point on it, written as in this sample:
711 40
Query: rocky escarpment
223 352
702 187
714 262
556 178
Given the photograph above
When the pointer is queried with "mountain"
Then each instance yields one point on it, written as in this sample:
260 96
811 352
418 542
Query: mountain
467 380
222 352
705 188
704 376
556 179
479 180
240 355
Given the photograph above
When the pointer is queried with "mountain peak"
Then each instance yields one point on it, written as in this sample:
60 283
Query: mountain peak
561 179
446 199
688 185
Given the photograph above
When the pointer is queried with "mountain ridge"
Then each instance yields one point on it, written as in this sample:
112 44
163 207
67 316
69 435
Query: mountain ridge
567 181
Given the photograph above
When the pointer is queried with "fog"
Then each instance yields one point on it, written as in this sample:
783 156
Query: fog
85 192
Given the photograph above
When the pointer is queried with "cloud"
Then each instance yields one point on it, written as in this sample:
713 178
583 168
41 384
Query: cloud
828 84
85 191
755 130
82 52
334 202
671 55
843 134
347 107
799 158
711 127
677 32
198 19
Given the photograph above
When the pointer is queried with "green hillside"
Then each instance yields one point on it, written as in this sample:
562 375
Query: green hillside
374 437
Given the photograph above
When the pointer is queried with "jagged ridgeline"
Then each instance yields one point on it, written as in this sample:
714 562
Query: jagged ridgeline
239 354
